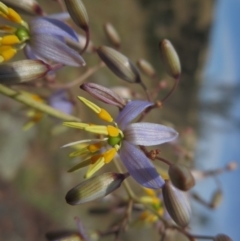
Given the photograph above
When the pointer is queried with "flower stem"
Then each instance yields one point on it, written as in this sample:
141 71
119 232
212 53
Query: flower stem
125 183
21 97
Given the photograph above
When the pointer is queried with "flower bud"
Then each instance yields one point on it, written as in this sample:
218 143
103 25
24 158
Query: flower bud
177 204
170 58
222 237
181 177
30 7
95 187
146 68
119 64
22 71
112 34
78 13
103 94
216 198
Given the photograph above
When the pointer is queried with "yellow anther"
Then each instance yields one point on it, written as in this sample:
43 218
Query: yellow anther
9 40
91 105
94 147
76 125
104 115
7 29
150 192
14 16
113 131
6 53
109 155
149 200
95 167
102 130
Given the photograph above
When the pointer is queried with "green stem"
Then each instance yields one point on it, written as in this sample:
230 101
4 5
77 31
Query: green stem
21 97
125 183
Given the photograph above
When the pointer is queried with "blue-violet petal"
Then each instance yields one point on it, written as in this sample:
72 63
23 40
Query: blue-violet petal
149 134
139 166
131 111
49 47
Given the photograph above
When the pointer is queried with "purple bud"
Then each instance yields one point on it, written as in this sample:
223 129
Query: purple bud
104 94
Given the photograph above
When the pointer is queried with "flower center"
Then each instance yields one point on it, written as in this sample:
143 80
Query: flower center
22 34
114 140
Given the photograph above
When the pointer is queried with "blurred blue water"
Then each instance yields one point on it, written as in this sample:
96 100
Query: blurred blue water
219 140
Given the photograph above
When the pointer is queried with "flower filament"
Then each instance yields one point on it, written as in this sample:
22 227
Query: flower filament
91 153
13 38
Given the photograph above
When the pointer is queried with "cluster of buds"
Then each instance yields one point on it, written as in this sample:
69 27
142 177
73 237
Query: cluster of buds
49 45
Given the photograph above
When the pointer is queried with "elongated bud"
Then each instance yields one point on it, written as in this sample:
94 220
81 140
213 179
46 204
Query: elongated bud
222 237
146 68
112 34
104 94
119 64
22 71
177 204
216 198
181 177
95 187
78 13
30 7
170 58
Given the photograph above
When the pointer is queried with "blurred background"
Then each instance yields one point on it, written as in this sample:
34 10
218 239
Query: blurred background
206 105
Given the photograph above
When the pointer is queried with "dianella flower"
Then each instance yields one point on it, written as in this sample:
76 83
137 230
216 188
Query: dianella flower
42 38
122 137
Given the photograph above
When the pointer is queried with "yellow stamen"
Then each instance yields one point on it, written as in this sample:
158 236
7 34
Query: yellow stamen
104 115
150 200
113 131
3 8
6 53
14 16
102 130
150 192
94 147
76 125
91 105
9 40
80 165
7 29
109 155
95 167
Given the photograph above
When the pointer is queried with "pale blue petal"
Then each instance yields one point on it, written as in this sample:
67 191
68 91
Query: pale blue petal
131 111
50 26
63 16
49 47
140 167
59 101
149 134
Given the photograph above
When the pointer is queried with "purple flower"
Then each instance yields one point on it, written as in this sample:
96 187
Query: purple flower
60 101
42 38
47 42
123 137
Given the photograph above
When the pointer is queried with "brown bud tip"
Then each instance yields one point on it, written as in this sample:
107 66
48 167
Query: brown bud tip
170 58
112 34
232 166
78 13
146 68
222 237
181 177
177 204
